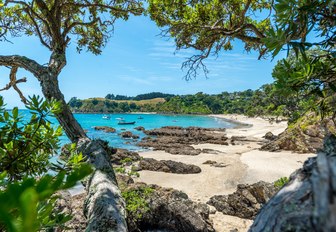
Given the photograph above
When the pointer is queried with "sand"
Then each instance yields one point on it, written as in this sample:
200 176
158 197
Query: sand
245 164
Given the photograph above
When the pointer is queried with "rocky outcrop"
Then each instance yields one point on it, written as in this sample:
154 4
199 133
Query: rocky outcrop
190 135
307 202
139 128
168 166
119 155
128 134
170 145
168 210
246 201
304 136
178 140
106 129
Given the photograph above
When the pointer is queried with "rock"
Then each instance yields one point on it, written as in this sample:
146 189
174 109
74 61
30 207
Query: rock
307 201
128 134
270 136
122 154
210 151
304 136
170 210
124 180
215 164
178 140
168 166
106 129
246 201
210 162
139 128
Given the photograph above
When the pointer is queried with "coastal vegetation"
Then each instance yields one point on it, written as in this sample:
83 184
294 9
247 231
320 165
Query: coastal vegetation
307 78
265 101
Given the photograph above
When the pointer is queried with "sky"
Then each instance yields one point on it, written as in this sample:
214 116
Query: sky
137 60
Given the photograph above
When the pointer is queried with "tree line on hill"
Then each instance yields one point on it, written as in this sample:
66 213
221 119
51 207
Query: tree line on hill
139 97
263 101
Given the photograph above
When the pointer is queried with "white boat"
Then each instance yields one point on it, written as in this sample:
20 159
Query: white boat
106 117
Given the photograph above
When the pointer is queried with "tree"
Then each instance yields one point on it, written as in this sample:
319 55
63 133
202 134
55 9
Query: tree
89 25
211 26
307 202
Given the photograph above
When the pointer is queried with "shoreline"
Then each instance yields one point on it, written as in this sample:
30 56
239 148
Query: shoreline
244 164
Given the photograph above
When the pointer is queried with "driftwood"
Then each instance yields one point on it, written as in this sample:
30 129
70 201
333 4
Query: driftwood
104 207
308 201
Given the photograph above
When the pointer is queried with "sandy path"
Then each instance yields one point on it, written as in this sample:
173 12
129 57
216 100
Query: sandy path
246 164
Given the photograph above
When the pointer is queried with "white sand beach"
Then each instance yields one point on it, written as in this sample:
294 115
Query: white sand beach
244 164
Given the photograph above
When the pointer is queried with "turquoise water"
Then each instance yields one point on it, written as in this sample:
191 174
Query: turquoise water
149 121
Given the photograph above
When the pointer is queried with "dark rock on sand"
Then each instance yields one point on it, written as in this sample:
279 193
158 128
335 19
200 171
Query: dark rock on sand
170 210
122 154
246 201
215 164
270 136
168 166
106 129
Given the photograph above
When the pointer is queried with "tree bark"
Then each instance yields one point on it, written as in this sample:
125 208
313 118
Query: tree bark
105 207
71 127
308 201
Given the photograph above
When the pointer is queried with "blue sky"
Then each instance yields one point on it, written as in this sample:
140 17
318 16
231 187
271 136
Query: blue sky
137 60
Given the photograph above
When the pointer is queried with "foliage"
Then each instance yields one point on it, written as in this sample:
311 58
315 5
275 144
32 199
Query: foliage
89 24
212 26
267 100
27 145
136 204
27 201
281 182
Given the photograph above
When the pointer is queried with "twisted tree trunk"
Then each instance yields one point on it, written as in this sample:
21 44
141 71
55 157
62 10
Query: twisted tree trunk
105 207
308 201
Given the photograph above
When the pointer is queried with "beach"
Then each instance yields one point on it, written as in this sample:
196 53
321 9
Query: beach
241 164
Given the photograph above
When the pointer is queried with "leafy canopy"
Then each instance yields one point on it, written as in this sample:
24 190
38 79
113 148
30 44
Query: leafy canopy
88 23
212 25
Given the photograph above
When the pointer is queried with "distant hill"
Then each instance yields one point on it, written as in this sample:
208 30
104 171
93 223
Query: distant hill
103 105
263 101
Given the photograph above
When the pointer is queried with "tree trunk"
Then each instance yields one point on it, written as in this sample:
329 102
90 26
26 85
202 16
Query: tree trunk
104 207
308 201
50 89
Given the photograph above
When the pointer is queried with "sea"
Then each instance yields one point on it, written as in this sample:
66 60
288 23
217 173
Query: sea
148 121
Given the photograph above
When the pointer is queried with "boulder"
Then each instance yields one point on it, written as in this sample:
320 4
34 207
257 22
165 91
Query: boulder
106 129
128 134
270 136
168 166
139 128
246 201
122 154
169 210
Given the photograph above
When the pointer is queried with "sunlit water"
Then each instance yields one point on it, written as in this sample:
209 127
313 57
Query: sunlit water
148 121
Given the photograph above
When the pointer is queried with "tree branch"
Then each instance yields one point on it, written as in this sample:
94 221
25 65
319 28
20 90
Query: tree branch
12 83
23 62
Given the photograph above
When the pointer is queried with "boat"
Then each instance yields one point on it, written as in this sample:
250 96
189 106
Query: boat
123 122
107 117
140 117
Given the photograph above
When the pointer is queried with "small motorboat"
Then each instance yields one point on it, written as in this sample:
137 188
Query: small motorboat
106 117
140 117
123 122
